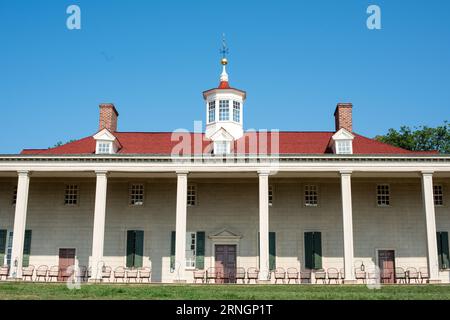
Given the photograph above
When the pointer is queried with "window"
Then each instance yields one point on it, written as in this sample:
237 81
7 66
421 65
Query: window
443 252
270 195
313 250
191 195
137 194
311 196
236 111
211 111
383 195
438 194
191 241
135 248
224 110
221 147
71 196
9 248
104 148
344 147
14 197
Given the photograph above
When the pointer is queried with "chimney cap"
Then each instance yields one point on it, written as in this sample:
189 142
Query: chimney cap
109 105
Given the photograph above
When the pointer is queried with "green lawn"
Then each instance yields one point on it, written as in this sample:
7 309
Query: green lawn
193 292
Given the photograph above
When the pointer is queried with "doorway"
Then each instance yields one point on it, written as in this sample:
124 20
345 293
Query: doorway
386 263
225 257
66 260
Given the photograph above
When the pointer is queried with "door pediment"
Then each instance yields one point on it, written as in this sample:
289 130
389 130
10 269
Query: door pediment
225 234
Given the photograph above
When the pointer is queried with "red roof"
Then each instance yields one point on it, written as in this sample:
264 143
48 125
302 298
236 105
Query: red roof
162 143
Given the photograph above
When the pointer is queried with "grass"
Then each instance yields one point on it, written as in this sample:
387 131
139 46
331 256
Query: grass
47 291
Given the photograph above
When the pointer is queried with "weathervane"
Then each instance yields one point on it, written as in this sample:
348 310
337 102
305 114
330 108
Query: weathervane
224 50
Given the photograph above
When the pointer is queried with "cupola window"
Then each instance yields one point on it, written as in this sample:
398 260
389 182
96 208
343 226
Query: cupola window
236 111
224 110
211 111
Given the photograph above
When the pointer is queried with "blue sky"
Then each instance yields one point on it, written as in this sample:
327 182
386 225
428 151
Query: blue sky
153 59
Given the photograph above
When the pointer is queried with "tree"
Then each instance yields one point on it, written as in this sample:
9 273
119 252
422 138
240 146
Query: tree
60 143
420 138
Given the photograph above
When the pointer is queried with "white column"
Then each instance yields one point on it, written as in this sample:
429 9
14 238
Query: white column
263 225
428 203
180 229
98 239
346 192
20 218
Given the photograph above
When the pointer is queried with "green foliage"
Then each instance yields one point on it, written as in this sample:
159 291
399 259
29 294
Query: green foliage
60 143
420 138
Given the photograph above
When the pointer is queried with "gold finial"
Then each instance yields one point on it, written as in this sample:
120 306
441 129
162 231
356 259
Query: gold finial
224 61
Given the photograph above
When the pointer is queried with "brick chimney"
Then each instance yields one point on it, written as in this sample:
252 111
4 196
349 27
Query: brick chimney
108 117
343 116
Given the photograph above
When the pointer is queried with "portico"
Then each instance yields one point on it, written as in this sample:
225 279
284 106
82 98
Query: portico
267 217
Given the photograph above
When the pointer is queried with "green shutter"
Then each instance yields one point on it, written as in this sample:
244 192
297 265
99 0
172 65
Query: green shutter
443 250
26 249
172 251
3 234
138 248
130 247
309 264
317 247
272 251
200 250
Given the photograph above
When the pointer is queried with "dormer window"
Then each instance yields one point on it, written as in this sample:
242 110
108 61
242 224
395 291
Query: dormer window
344 147
106 142
221 147
343 142
224 110
104 147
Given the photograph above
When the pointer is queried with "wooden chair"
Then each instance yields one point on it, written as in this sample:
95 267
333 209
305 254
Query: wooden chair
211 274
240 275
4 272
252 274
424 275
82 273
386 276
53 272
360 275
400 275
41 272
132 274
292 274
280 274
333 274
119 273
106 273
320 275
199 275
28 272
412 274
145 273
305 276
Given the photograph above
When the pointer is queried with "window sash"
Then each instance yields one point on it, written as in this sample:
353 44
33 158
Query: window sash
438 195
270 195
104 147
224 110
191 195
383 195
14 197
236 111
71 195
311 195
136 194
344 147
211 111
9 248
191 248
221 147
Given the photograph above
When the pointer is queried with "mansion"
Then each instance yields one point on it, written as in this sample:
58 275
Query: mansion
181 203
